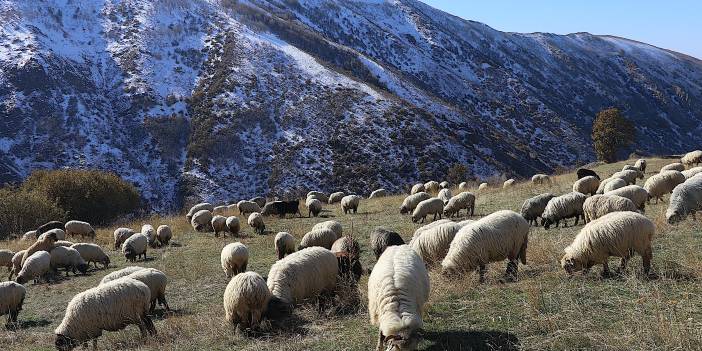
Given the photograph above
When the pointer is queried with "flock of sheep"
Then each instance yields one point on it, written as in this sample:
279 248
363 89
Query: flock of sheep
325 259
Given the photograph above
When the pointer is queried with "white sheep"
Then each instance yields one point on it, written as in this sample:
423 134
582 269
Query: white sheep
411 202
663 183
65 243
686 200
255 221
201 221
483 186
246 300
156 281
508 183
319 195
234 258
6 259
135 247
534 207
233 225
219 225
586 185
16 263
433 206
599 205
677 166
463 186
398 289
69 259
692 172
59 233
34 267
164 234
498 236
425 227
120 273
630 175
109 307
247 207
199 207
336 197
29 236
331 225
220 210
378 193
614 184
619 234
563 207
150 232
284 244
692 158
634 193
445 195
92 253
302 275
120 235
45 242
444 185
540 179
433 243
314 207
640 165
322 237
12 297
464 200
417 188
603 183
350 203
432 186
84 229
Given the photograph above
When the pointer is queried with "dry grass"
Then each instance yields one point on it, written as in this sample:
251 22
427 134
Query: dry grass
543 310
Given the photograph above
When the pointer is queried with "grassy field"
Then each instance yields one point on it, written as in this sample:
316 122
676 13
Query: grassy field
544 310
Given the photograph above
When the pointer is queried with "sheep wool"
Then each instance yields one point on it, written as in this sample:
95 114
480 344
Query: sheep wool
84 229
483 186
234 258
630 175
233 225
319 195
314 207
199 207
640 165
284 244
411 202
692 172
156 281
686 200
614 184
303 274
508 183
150 232
599 205
120 235
68 258
350 203
425 227
677 166
534 207
164 234
336 197
322 237
246 300
220 210
135 247
255 221
247 207
692 158
202 221
433 244
219 225
562 207
635 193
432 186
417 188
381 238
431 206
464 200
398 289
444 185
586 185
29 236
44 243
540 179
13 295
463 186
663 183
378 193
120 273
92 253
65 243
59 233
16 263
6 258
34 267
332 225
445 195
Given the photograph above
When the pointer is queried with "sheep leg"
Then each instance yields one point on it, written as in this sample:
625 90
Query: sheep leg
622 264
646 257
149 324
512 269
472 209
577 219
605 270
142 329
162 301
380 341
153 306
481 272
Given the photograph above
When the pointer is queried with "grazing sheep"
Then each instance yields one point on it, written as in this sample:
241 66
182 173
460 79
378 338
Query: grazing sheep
563 207
398 289
45 242
381 238
433 206
346 244
164 234
336 197
220 210
219 225
534 207
322 237
12 298
67 258
498 236
92 253
432 186
692 172
640 165
282 208
692 158
663 183
135 247
677 166
331 225
231 208
483 186
444 185
629 175
618 234
246 300
6 259
16 263
629 167
464 200
411 202
259 200
34 267
686 200
202 221
29 236
150 232
314 207
84 229
121 234
445 195
156 281
120 273
603 183
540 179
417 188
584 172
348 254
463 186
65 243
432 244
234 258
247 207
350 203
319 195
284 244
109 307
233 225
586 185
60 234
378 193
424 228
508 183
599 205
613 184
302 275
255 221
634 193
197 208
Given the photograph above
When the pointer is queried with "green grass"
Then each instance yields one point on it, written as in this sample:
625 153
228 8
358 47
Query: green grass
544 310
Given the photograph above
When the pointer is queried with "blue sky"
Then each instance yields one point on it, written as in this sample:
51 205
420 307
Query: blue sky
675 25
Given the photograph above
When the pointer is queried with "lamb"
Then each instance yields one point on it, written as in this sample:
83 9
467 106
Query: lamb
234 258
322 237
34 267
320 195
686 200
692 172
692 158
444 185
16 263
92 253
629 175
259 200
464 200
563 207
233 225
120 273
314 207
483 186
381 238
84 229
48 226
500 235
331 225
350 203
6 259
246 300
109 307
433 206
201 221
121 234
618 234
197 208
135 247
431 186
219 225
445 195
220 210
284 244
164 234
677 166
613 184
584 172
508 183
640 165
411 202
398 289
599 205
662 183
336 197
586 185
417 188
255 221
634 193
540 179
433 243
247 207
534 207
45 243
13 295
67 258
378 193
150 232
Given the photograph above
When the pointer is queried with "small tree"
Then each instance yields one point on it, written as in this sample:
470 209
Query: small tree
457 173
610 133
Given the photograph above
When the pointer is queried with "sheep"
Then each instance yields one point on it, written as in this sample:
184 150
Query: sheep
220 210
613 184
463 186
48 226
508 183
92 253
686 200
424 228
350 203
84 229
534 207
346 244
219 225
314 207
381 238
13 295
320 195
433 206
156 281
135 247
599 205
432 244
629 175
677 166
45 243
120 235
233 225
234 258
563 207
483 186
431 186
282 208
284 244
197 208
398 289
500 235
231 208
164 234
629 167
322 237
150 232
464 200
618 234
34 267
586 185
540 179
29 236
336 197
692 158
348 254
603 183
640 165
331 225
109 307
411 202
584 172
69 259
16 263
378 193
445 195
201 221
418 188
65 243
634 193
259 200
247 207
691 172
246 300
255 221
444 185
120 273
6 259
59 233
662 183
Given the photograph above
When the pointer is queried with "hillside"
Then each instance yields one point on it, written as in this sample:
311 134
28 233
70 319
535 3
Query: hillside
230 99
544 310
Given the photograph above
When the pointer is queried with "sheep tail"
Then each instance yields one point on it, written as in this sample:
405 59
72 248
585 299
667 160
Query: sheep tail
523 251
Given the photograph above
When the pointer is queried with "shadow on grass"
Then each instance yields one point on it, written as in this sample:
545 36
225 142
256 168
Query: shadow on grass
35 323
471 340
673 271
161 313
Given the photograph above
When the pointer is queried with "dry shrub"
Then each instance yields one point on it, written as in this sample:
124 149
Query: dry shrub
22 211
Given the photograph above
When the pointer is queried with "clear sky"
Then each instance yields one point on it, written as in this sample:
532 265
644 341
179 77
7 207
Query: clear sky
673 24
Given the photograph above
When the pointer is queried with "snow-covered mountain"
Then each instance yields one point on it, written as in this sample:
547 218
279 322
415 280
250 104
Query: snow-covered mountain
226 99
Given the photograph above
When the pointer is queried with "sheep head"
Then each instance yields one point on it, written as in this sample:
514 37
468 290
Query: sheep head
405 340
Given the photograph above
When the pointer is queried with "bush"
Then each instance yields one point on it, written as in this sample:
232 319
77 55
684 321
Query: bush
610 133
22 211
87 195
